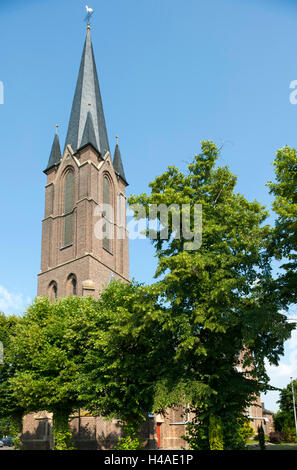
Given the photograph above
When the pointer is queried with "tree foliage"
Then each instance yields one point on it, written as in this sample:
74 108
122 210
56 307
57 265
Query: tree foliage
284 421
104 355
284 237
47 351
130 439
11 410
219 297
127 352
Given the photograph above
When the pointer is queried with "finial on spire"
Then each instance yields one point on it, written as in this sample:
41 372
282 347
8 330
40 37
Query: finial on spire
118 163
87 91
90 12
117 139
55 155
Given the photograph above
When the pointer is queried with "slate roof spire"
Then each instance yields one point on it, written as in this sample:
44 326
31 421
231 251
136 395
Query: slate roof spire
55 155
87 109
89 136
118 163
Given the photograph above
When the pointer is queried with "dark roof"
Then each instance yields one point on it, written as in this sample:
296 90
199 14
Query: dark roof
87 99
89 133
118 163
55 155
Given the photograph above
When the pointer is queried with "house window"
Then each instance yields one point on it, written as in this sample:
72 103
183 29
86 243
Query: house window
68 208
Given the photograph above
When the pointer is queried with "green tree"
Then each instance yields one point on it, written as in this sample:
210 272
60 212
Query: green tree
47 350
284 237
284 421
283 246
219 298
104 355
127 353
11 411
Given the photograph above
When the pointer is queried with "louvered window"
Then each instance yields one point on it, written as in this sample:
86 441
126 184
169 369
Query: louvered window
49 205
68 208
107 226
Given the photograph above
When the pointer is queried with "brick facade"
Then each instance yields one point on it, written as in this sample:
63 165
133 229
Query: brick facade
96 433
85 257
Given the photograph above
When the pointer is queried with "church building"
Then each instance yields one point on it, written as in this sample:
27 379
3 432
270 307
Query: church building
84 244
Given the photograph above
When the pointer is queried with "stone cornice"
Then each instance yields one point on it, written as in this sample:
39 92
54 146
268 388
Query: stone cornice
81 257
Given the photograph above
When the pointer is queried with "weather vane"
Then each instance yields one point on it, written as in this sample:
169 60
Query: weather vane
90 12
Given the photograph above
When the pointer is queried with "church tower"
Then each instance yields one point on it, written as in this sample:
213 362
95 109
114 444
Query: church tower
84 234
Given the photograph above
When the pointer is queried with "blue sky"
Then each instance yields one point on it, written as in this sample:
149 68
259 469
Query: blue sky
171 74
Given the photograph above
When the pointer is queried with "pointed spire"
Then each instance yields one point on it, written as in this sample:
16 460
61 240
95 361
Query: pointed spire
55 155
87 93
118 163
89 133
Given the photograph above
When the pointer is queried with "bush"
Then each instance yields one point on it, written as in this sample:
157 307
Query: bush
289 433
197 435
276 437
130 439
63 440
246 430
17 443
9 426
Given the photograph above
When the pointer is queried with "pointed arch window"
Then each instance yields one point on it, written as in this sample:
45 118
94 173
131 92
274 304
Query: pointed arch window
68 208
53 291
71 285
107 227
74 286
